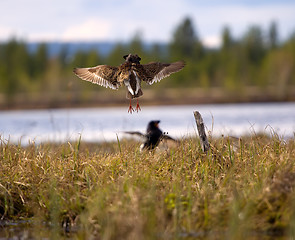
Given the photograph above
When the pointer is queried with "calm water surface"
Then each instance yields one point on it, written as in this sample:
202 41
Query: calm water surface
104 124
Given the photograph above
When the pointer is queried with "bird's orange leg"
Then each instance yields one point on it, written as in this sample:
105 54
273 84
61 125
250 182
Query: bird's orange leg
137 107
130 109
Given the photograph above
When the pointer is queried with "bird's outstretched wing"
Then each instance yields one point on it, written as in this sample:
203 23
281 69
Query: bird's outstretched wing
136 133
167 137
156 71
102 75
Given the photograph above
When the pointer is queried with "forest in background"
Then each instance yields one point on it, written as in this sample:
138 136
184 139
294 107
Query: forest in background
256 62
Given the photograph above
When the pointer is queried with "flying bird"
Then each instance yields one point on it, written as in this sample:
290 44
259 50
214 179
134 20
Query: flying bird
153 136
131 73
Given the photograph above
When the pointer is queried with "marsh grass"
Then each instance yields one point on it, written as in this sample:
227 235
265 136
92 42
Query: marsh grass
242 188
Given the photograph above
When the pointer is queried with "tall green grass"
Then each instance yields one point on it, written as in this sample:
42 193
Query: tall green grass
238 190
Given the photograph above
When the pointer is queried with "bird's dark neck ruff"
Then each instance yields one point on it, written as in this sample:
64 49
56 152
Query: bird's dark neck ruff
132 58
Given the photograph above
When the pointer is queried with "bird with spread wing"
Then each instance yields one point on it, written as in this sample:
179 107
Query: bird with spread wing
131 73
153 136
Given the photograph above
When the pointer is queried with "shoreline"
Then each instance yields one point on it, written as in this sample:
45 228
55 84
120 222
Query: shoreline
105 98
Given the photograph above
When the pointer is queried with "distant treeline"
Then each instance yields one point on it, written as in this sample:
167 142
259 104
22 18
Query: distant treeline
256 59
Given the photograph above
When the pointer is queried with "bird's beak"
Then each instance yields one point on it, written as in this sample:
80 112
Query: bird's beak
157 124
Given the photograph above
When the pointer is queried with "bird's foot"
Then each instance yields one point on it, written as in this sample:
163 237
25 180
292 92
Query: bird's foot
130 109
137 107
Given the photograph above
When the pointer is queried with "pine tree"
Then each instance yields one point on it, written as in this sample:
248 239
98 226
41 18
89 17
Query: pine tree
185 41
273 35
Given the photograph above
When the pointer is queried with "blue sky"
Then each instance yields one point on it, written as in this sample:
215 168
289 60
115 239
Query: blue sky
118 20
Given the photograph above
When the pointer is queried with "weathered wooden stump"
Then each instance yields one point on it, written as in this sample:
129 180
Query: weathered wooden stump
201 130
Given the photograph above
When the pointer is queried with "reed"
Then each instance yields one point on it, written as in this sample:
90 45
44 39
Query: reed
241 188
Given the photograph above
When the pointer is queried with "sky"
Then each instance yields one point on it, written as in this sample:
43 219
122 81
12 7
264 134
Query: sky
155 20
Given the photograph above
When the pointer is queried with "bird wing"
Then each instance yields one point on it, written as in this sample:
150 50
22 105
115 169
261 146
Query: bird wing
102 75
136 133
155 71
168 142
167 137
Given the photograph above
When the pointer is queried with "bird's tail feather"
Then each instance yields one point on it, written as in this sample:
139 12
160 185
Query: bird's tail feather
130 96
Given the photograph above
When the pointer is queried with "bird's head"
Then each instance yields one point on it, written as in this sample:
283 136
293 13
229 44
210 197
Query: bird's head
132 58
153 124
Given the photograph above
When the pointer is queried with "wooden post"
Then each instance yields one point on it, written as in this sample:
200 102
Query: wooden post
201 129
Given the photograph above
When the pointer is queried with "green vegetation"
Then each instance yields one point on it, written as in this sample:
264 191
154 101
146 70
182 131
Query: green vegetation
239 190
257 60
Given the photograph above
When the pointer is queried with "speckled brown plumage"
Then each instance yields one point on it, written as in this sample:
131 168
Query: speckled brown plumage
130 74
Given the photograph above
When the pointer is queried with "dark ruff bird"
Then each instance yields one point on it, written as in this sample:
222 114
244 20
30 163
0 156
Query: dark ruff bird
153 136
130 74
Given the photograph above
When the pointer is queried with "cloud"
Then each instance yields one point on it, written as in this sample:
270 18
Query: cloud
89 30
212 41
6 33
210 21
43 37
89 20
